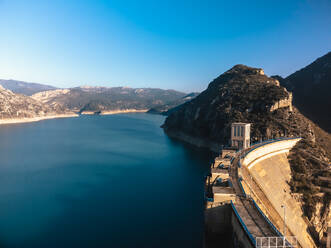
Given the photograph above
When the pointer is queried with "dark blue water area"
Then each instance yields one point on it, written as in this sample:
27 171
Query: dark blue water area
99 181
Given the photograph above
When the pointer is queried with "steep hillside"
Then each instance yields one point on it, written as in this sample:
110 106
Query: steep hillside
96 99
24 88
169 107
311 87
242 94
17 106
245 94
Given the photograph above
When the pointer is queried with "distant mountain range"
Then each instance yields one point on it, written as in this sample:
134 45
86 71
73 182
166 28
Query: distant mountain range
89 99
311 87
98 99
24 88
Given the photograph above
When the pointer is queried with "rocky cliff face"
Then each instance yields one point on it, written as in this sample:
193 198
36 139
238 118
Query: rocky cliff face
242 94
245 94
15 106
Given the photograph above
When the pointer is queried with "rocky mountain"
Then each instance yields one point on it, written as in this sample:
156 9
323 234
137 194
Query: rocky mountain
169 107
241 94
245 94
311 87
16 106
24 88
97 99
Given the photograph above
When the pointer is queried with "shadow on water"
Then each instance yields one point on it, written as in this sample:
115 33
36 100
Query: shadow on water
224 238
198 153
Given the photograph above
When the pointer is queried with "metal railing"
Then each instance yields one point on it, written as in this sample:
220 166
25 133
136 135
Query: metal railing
266 142
276 242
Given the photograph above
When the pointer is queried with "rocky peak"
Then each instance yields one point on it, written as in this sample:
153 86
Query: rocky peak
242 74
244 69
241 94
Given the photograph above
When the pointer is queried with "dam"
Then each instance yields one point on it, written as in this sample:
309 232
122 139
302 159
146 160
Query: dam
247 192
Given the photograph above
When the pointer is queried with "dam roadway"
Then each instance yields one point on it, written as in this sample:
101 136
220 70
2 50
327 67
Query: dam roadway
254 221
256 224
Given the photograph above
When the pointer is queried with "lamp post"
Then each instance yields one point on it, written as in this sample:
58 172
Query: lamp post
284 239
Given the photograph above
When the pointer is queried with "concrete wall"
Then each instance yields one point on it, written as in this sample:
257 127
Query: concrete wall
269 167
218 219
240 238
264 151
222 223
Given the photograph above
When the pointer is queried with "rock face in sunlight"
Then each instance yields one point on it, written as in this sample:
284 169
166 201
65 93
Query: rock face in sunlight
245 94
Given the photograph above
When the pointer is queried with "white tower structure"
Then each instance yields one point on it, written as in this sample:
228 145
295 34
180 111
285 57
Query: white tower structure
240 135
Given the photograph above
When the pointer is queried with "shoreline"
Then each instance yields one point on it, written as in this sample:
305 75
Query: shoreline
35 119
197 142
113 112
48 117
124 111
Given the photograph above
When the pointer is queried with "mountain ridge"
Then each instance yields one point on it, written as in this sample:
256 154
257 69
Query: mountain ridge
25 88
311 87
96 99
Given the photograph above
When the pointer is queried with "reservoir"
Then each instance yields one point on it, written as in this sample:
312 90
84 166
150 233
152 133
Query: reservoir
99 181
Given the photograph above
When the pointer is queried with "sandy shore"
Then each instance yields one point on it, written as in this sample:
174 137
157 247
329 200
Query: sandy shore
122 111
34 119
87 113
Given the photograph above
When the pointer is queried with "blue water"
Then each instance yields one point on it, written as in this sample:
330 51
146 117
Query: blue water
99 181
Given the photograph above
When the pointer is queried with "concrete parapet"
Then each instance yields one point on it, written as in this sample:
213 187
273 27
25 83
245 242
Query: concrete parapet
268 150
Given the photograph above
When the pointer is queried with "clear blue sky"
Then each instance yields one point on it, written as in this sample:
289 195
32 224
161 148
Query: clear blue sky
181 45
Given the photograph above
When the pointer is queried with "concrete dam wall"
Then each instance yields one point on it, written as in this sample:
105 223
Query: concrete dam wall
268 171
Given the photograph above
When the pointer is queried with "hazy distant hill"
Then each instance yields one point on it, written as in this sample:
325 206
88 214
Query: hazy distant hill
24 88
98 99
169 107
311 87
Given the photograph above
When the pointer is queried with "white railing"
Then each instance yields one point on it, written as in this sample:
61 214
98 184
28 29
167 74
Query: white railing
276 242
